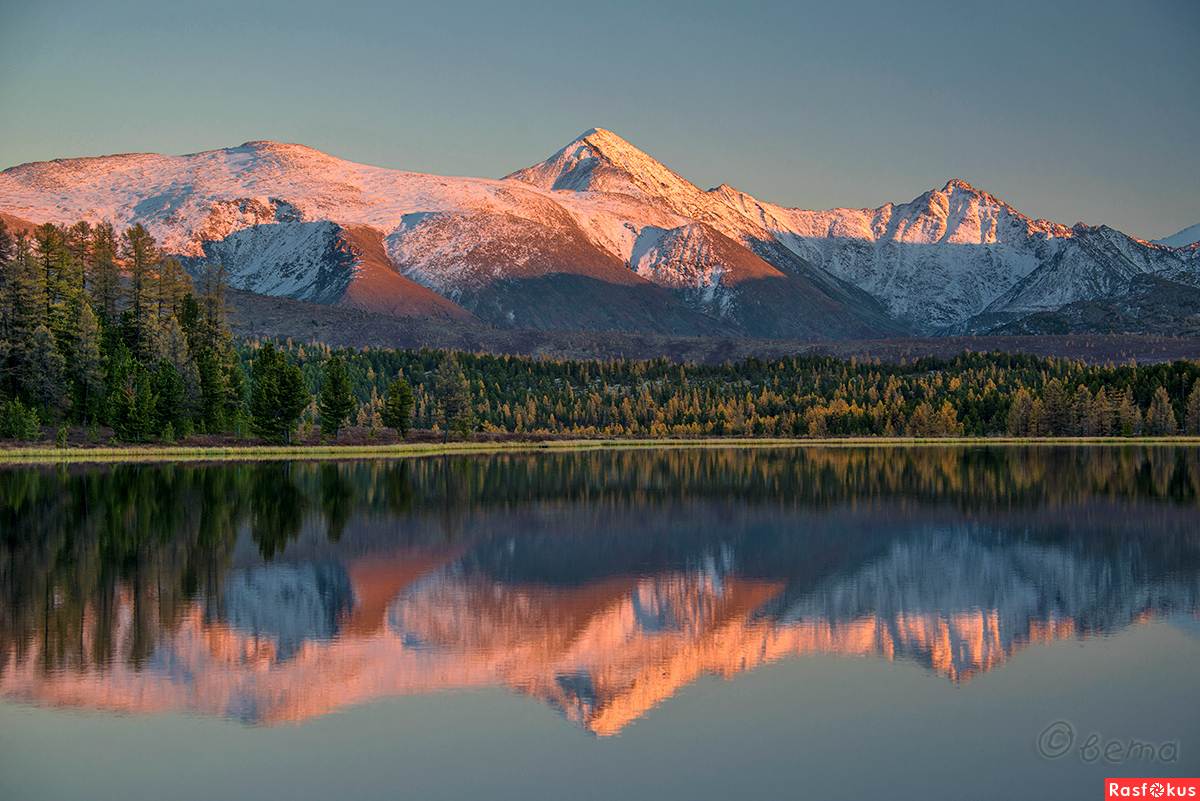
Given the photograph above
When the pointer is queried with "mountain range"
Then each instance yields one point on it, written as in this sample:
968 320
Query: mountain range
600 236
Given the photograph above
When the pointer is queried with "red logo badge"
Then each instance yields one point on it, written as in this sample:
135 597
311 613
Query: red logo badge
1152 788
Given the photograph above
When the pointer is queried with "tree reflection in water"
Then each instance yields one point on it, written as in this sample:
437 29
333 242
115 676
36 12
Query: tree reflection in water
100 566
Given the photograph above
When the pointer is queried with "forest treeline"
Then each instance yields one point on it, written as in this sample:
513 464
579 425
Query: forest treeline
102 329
973 394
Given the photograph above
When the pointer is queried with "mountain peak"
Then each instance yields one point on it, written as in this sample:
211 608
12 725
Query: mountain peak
601 161
959 184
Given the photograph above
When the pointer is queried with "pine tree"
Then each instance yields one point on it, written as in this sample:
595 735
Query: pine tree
277 395
174 347
145 404
336 401
141 259
169 389
79 243
1160 417
212 325
1056 410
6 243
1085 412
1129 415
20 315
1019 414
131 401
48 385
453 397
105 274
1101 416
1191 420
86 365
171 285
398 408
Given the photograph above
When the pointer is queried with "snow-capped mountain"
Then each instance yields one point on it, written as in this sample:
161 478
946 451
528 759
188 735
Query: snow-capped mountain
1187 236
598 236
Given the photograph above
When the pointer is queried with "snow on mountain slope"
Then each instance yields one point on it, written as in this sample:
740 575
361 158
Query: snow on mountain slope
1184 238
514 253
600 172
1094 263
931 262
600 235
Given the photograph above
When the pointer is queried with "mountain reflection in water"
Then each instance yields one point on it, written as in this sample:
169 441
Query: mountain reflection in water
599 582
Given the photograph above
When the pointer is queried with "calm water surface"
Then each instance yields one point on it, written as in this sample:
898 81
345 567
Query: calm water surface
782 623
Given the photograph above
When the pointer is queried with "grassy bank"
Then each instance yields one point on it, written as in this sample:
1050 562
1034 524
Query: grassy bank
186 453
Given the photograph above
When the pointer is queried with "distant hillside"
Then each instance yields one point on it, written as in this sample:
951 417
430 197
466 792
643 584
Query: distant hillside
265 317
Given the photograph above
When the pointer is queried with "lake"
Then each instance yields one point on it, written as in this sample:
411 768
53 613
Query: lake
903 622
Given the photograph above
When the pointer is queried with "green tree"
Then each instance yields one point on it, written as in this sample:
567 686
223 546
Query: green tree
1056 410
20 315
141 259
86 364
277 395
131 401
48 385
1019 414
1160 417
336 402
171 285
212 325
169 388
1191 420
450 385
105 274
1129 415
398 408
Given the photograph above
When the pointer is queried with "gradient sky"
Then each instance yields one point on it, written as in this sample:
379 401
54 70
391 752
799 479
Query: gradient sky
1070 111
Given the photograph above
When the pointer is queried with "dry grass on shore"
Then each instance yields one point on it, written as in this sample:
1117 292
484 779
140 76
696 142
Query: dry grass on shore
361 443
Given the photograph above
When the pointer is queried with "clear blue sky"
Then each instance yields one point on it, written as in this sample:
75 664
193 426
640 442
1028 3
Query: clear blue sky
1067 110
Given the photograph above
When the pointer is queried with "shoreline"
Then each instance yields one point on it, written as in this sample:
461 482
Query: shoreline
255 453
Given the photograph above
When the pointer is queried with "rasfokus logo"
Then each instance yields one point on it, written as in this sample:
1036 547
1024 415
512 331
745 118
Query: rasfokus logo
1151 788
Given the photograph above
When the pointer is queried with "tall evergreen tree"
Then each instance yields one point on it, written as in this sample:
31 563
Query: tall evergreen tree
212 323
131 401
79 243
398 408
20 315
1191 417
336 401
277 395
86 364
175 349
141 259
6 243
1129 415
48 385
1160 417
171 285
169 390
1056 410
453 396
212 390
105 275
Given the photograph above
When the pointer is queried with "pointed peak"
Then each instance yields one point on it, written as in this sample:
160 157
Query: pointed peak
605 145
600 135
599 160
960 185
